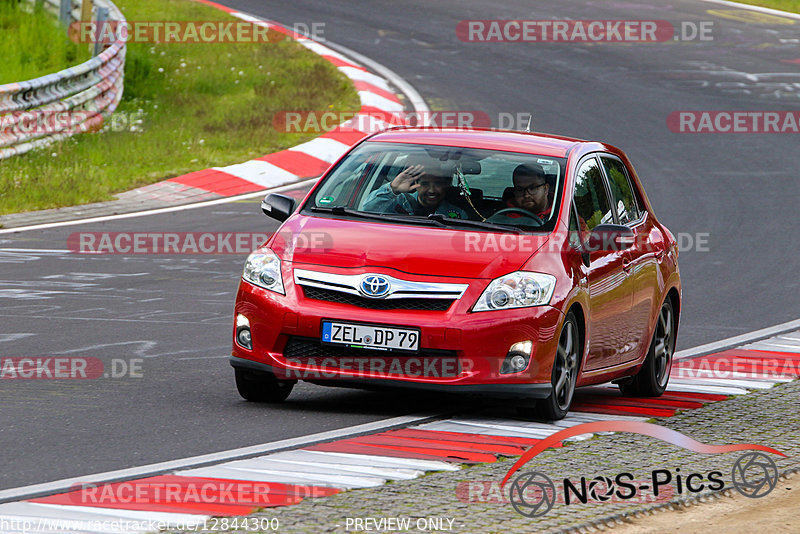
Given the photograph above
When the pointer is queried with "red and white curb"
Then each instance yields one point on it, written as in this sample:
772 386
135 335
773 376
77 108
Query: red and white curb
239 487
380 109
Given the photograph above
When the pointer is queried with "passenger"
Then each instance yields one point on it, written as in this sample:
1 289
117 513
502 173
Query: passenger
531 191
415 191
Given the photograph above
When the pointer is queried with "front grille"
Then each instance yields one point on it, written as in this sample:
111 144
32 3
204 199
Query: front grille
308 347
328 295
427 363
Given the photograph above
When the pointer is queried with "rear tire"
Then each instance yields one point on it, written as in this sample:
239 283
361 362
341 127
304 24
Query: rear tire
262 387
565 373
653 377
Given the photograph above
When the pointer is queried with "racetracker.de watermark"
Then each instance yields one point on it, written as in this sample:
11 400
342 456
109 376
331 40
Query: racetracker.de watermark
167 242
582 31
182 31
44 122
492 242
32 123
733 367
68 368
739 122
173 490
371 121
375 367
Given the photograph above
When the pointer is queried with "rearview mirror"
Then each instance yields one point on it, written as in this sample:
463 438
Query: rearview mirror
279 207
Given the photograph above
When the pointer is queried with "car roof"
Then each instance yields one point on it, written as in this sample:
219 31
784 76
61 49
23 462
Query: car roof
507 140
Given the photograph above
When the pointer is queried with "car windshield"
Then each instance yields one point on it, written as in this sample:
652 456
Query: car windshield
459 188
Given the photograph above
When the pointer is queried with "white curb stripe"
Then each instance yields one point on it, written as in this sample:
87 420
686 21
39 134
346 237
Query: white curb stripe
258 475
315 465
323 50
698 388
500 427
369 98
259 172
774 346
389 461
414 98
358 74
511 430
726 382
266 464
692 374
324 148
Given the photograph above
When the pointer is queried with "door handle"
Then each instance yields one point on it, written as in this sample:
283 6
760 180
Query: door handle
626 266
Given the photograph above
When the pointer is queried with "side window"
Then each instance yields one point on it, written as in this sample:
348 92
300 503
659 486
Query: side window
375 172
591 198
627 211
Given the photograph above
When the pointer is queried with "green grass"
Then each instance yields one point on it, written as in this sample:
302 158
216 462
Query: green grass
33 44
190 106
792 6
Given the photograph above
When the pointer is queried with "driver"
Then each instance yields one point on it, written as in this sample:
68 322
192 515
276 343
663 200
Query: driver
415 191
531 191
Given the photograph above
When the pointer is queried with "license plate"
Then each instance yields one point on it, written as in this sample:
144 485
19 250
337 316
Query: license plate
370 336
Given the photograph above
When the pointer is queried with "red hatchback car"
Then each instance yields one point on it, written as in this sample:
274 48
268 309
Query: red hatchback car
509 264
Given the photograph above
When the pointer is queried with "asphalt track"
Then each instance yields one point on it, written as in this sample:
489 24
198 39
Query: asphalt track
174 312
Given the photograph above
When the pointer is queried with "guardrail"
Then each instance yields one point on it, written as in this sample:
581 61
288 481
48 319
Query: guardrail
37 112
66 10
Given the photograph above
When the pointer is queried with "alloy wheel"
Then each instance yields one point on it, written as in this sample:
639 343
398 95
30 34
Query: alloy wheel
566 366
664 344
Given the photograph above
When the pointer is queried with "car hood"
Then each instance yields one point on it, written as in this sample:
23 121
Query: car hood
411 249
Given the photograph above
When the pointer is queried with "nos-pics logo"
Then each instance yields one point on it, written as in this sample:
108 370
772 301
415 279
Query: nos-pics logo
533 494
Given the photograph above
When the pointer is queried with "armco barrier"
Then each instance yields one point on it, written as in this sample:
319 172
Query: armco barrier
36 112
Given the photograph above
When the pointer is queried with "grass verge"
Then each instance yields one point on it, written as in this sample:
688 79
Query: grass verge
186 107
793 6
33 44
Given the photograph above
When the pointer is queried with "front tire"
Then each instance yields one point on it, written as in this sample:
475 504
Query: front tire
262 387
652 378
565 373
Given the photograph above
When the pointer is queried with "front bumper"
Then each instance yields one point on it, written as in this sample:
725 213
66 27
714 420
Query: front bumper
460 351
499 391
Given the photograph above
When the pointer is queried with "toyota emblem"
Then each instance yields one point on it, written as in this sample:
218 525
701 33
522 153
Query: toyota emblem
374 286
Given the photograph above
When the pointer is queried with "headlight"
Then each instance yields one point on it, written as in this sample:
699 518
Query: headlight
517 290
263 268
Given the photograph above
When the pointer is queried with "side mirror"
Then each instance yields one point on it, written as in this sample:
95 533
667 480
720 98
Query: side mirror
610 237
279 207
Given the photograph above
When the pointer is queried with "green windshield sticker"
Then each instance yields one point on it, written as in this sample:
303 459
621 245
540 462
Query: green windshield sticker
326 200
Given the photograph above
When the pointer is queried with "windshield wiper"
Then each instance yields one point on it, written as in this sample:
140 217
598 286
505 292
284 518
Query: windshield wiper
475 224
341 210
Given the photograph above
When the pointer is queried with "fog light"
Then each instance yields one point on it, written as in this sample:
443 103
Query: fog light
518 363
517 358
243 337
